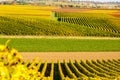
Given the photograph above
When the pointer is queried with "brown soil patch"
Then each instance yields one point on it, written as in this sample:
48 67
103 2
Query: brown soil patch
49 56
116 14
70 10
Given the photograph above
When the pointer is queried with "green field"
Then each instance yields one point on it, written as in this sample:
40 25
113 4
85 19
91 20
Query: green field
62 45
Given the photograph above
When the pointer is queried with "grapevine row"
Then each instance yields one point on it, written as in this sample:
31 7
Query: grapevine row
100 23
88 70
10 25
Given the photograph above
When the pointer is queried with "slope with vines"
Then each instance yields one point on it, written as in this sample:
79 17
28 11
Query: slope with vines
96 21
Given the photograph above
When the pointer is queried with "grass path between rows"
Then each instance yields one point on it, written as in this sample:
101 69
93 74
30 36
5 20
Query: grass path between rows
61 37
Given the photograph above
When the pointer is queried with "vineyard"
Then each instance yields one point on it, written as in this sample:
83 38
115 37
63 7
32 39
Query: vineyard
35 26
41 21
26 10
96 21
13 67
79 70
28 23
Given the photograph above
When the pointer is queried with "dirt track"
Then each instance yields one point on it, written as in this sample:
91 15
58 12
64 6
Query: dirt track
61 37
69 55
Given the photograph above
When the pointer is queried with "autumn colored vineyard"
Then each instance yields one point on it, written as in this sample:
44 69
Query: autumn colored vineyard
45 21
79 70
99 22
49 28
30 26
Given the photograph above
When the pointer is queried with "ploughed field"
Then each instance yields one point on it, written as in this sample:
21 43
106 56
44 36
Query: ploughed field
55 56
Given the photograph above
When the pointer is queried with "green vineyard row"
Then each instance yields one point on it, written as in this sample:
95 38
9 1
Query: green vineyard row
96 21
79 70
19 25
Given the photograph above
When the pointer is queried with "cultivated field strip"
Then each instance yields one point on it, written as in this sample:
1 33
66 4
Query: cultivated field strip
50 56
78 69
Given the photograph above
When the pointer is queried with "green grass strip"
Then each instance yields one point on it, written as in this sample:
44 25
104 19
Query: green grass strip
62 45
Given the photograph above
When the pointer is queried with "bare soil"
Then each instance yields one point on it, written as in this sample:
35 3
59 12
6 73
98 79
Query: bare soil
117 14
49 56
70 10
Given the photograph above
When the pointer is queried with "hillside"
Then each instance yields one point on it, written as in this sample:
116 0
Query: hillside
41 21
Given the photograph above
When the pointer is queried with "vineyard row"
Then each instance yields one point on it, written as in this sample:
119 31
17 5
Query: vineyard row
19 25
78 70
